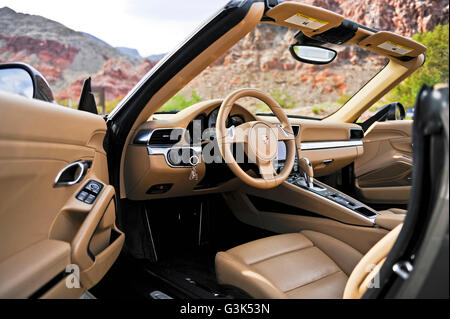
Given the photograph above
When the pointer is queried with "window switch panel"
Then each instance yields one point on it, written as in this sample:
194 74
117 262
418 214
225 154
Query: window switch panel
89 192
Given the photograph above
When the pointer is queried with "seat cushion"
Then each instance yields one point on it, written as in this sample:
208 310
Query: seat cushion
390 218
397 210
298 265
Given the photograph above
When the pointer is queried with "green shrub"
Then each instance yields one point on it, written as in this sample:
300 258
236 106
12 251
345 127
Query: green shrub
434 71
317 110
179 102
261 108
110 105
343 99
65 102
283 98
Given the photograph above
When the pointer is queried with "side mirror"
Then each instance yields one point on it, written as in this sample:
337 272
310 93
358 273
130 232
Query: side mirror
395 111
389 112
312 54
24 80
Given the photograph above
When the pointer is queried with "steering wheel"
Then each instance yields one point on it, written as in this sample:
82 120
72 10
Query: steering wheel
260 140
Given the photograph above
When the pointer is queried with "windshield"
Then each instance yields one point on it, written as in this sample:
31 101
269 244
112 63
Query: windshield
262 60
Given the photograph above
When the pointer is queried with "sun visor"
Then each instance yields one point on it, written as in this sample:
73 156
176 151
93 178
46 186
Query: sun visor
310 20
388 43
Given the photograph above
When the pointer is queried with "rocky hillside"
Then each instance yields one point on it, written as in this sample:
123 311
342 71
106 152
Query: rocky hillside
306 89
66 57
406 17
262 60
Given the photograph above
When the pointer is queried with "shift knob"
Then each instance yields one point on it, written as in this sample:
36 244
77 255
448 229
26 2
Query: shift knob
306 168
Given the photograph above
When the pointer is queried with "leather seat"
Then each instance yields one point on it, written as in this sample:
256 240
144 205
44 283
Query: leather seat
299 265
397 211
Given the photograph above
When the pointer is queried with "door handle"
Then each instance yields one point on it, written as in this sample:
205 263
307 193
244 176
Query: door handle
327 161
72 173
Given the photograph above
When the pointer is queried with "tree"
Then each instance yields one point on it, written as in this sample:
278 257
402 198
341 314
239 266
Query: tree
434 71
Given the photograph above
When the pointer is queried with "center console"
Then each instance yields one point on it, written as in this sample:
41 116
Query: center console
301 176
333 195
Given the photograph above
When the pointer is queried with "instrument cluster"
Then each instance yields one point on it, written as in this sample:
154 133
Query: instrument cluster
208 122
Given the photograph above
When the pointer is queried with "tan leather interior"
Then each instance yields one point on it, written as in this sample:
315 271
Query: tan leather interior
384 172
300 265
143 170
389 219
337 221
304 199
303 265
26 271
330 159
42 225
370 265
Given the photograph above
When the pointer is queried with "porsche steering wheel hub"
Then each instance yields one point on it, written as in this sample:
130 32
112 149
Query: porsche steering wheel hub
262 143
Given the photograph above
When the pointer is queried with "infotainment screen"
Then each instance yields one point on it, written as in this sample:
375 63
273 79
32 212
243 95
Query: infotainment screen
281 156
280 159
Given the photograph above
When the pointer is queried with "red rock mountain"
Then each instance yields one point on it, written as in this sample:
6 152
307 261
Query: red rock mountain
67 57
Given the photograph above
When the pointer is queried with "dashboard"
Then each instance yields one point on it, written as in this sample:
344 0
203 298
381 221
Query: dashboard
151 172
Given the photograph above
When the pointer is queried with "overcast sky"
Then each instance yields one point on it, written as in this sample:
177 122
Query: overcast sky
151 26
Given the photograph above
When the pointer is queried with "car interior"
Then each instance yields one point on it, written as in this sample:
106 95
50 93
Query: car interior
314 214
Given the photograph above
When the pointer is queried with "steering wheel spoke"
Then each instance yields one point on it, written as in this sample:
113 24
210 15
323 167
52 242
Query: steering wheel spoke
238 134
283 134
266 170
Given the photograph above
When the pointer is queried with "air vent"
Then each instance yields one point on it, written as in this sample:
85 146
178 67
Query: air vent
356 134
165 136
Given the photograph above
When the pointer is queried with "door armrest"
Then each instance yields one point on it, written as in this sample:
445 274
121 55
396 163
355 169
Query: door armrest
30 269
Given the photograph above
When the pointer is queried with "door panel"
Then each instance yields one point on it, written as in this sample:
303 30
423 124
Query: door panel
383 174
37 140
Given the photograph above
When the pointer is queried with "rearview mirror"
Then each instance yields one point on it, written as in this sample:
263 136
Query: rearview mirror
312 54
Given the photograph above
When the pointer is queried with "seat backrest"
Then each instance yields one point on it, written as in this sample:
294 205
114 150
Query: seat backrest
365 272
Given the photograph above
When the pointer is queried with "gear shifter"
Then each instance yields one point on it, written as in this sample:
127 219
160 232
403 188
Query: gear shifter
307 171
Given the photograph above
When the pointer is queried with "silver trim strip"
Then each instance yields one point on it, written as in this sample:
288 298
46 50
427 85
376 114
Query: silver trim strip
307 146
163 150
